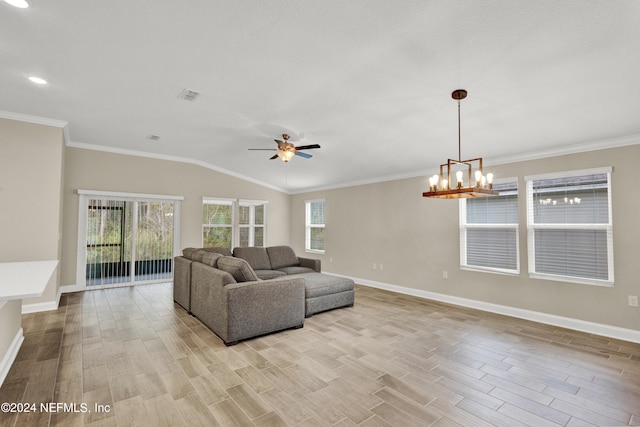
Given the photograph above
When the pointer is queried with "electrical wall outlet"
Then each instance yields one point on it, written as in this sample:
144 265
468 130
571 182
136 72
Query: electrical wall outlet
381 267
374 266
633 300
445 274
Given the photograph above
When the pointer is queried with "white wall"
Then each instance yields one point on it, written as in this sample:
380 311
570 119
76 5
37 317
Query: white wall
31 170
416 239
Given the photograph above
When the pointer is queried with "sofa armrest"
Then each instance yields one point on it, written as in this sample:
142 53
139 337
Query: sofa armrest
312 263
208 298
257 308
236 311
182 282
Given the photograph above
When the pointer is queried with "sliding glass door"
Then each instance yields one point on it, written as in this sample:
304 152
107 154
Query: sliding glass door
154 241
126 239
108 237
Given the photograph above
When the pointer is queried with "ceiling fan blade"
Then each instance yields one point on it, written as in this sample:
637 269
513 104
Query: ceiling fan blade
305 155
274 157
307 147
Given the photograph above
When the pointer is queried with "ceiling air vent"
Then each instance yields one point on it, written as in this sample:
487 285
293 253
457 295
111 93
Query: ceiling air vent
189 95
153 137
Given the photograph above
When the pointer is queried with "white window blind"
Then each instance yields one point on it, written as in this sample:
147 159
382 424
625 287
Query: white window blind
314 225
570 230
217 222
489 231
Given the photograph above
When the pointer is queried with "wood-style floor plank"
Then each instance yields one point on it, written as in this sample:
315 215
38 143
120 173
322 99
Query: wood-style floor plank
391 360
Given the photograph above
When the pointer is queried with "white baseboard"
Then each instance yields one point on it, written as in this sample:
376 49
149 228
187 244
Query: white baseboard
535 316
10 356
72 288
42 306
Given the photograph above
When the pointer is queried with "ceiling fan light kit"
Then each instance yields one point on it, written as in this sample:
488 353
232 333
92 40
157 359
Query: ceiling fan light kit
287 150
478 185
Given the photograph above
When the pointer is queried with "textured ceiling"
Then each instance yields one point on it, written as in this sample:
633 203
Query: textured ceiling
368 80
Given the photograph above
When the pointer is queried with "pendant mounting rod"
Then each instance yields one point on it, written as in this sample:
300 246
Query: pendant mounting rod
459 95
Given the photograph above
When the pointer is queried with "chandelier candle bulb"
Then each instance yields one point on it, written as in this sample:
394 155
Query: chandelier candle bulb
433 183
459 178
478 178
490 180
445 184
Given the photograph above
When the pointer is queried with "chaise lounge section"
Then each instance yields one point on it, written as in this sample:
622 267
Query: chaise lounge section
322 291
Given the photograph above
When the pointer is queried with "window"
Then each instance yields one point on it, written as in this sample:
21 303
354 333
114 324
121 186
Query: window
251 222
126 238
314 226
570 232
217 222
489 231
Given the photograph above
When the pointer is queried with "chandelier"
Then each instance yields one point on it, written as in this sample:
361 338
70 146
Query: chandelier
477 184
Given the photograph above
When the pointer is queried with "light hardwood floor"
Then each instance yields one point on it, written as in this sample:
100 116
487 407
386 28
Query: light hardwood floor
390 360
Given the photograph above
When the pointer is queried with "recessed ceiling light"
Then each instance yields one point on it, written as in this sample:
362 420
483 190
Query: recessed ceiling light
18 3
37 80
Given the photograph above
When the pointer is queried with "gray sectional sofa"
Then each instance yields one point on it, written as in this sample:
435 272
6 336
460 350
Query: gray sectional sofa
227 294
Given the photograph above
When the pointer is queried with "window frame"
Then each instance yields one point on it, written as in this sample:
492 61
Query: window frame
251 224
309 226
221 201
465 227
532 227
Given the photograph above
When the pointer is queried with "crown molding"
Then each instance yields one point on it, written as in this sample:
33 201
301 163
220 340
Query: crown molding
522 157
38 121
495 161
127 152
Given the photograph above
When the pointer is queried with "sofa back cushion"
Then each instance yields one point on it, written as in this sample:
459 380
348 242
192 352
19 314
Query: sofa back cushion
211 259
197 255
282 256
238 268
219 250
255 256
188 252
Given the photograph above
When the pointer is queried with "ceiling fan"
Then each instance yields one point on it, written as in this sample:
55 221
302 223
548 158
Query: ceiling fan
287 150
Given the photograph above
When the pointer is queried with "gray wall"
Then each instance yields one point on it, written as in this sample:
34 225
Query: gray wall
98 170
416 239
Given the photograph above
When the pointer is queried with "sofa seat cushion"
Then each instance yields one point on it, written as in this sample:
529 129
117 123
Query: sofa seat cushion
256 257
296 269
238 268
269 274
318 284
282 256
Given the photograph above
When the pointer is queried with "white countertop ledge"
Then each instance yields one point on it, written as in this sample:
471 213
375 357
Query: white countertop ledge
19 280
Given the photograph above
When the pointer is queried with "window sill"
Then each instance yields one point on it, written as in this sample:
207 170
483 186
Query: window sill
314 251
490 270
569 279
